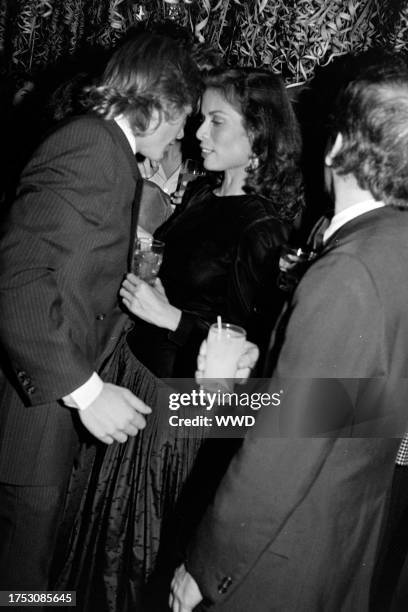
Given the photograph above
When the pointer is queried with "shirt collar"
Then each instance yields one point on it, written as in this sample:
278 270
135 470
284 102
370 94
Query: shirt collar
123 123
350 213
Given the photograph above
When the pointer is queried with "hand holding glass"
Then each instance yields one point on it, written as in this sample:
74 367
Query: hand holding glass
293 263
225 345
147 258
245 365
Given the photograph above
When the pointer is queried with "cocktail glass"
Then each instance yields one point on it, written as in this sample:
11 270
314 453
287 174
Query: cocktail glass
189 171
147 258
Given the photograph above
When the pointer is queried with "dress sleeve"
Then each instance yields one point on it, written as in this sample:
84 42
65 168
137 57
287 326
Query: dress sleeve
255 267
188 322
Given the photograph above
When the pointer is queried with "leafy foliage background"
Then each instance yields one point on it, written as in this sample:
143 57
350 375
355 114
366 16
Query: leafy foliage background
289 36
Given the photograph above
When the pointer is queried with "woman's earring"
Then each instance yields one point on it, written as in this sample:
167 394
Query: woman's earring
253 162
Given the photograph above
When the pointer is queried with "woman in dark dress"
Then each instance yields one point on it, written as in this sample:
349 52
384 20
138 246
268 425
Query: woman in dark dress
222 243
221 258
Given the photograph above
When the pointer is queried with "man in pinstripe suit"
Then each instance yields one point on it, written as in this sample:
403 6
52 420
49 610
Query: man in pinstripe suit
65 249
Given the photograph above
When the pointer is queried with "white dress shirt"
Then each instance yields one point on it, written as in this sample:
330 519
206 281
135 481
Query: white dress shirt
84 395
350 213
157 175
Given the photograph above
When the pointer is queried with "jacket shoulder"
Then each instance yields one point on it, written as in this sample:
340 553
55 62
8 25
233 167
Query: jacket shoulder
85 128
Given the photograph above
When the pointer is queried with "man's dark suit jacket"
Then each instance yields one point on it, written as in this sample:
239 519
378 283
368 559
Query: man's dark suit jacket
64 252
296 521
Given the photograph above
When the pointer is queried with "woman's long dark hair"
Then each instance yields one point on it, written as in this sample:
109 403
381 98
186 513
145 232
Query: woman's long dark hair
261 98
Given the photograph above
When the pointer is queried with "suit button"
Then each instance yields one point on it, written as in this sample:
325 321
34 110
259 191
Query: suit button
30 390
225 584
100 316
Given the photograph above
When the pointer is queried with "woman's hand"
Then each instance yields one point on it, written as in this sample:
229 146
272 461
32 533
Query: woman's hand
149 303
245 364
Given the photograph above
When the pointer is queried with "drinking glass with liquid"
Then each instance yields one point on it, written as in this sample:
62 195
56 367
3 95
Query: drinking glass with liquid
225 345
190 170
147 258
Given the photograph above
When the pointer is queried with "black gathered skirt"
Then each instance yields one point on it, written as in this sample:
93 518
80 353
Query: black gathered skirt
124 513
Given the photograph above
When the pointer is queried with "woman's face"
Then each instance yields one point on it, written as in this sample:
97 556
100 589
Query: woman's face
153 143
225 143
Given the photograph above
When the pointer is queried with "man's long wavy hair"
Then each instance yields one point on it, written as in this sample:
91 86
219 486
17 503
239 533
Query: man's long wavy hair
260 97
148 72
372 116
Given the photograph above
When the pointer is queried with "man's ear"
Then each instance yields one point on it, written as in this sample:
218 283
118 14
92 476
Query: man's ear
334 150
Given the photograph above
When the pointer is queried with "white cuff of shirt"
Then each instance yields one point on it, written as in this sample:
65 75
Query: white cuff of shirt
83 397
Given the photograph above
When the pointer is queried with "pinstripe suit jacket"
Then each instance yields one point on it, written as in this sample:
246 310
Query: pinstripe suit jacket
64 252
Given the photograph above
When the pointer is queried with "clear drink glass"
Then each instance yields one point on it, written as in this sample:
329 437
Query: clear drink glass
147 258
189 171
225 345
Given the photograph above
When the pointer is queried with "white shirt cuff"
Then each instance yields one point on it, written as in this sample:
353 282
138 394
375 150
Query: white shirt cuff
83 397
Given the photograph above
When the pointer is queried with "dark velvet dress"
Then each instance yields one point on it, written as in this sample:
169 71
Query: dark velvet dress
143 498
221 258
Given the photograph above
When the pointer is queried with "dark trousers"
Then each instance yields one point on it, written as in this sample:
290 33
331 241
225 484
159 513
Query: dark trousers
390 582
29 521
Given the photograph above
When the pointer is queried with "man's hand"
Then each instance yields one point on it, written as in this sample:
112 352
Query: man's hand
149 303
185 594
245 364
114 415
177 197
148 168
